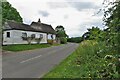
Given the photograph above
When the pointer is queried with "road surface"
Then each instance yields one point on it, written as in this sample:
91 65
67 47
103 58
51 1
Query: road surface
34 63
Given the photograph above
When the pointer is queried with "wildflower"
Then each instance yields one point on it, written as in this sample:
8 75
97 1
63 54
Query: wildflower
110 64
108 57
119 59
100 51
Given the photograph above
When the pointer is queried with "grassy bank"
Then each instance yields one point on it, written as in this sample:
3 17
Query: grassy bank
22 47
88 61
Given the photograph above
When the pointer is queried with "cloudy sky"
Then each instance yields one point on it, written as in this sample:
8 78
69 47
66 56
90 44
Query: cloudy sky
75 15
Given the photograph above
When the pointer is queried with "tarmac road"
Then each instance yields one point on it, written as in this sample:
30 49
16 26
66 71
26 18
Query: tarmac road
34 63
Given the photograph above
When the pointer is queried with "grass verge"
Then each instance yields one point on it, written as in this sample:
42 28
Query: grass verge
88 61
23 47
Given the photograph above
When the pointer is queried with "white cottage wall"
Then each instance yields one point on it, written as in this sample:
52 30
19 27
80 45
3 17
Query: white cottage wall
16 37
54 37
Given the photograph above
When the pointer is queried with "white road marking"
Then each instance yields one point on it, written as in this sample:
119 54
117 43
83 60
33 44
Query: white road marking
30 59
41 55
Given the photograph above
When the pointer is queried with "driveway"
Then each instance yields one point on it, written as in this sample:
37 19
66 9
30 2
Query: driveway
34 63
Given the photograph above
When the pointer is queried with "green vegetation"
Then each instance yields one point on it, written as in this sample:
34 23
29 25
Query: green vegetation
22 47
61 34
88 61
113 31
63 40
10 13
93 34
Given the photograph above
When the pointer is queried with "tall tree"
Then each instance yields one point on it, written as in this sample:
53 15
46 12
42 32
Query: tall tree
93 33
61 34
60 31
10 13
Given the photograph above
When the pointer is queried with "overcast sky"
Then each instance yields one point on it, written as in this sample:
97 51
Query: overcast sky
75 15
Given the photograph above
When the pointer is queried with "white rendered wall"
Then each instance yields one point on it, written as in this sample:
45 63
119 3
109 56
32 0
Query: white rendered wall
15 37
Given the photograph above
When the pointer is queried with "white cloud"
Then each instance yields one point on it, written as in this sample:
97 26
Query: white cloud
61 12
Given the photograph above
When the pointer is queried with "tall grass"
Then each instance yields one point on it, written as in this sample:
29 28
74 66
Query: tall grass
88 61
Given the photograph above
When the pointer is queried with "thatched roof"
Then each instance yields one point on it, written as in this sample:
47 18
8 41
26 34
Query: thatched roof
35 27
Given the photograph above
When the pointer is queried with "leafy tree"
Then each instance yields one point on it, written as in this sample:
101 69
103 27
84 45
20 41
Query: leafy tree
93 34
10 13
60 31
61 34
86 36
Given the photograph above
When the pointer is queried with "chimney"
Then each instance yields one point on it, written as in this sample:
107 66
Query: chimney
39 20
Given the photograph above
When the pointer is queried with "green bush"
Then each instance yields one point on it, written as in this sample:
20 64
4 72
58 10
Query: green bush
63 40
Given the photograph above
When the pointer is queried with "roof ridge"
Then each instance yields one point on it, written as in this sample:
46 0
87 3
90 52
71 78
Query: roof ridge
41 23
17 22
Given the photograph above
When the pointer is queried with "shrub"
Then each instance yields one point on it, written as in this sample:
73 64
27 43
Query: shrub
63 40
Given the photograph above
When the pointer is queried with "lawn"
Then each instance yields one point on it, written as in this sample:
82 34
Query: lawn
88 61
22 47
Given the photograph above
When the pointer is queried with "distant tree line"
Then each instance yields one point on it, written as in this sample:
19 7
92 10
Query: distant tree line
75 39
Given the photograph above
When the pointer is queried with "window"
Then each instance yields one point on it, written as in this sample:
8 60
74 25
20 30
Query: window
8 34
41 35
24 35
33 36
52 36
